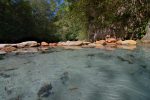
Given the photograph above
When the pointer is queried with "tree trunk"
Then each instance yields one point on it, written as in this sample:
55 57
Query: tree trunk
146 38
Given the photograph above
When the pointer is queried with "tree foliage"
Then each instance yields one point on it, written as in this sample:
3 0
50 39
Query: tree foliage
124 18
52 20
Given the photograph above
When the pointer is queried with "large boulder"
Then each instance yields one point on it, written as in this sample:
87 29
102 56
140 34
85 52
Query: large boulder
44 44
27 44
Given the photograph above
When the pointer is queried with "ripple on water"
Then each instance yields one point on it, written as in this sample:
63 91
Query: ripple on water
86 74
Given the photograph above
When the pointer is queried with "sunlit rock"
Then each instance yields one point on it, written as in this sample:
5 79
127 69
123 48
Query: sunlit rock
92 44
119 42
3 45
100 46
27 44
74 43
9 49
111 40
7 45
70 43
52 44
129 42
86 43
103 42
126 42
60 43
114 45
44 44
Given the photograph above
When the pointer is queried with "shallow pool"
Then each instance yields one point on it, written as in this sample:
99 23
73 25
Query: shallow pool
85 74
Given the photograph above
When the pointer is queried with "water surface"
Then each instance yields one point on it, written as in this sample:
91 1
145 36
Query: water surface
86 74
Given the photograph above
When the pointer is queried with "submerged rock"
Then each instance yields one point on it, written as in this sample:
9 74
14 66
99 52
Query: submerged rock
45 90
64 78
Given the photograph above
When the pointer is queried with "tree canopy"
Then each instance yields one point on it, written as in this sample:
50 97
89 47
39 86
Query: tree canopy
55 20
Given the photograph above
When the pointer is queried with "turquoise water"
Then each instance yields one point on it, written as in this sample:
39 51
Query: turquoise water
86 74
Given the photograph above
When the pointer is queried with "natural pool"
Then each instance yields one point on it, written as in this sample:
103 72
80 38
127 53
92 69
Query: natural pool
86 74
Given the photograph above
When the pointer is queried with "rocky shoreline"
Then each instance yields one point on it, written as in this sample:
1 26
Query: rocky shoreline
33 46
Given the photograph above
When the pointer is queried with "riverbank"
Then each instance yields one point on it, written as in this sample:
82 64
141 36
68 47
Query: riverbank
33 46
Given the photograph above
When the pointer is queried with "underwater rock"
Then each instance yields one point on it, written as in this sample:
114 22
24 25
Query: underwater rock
45 90
64 78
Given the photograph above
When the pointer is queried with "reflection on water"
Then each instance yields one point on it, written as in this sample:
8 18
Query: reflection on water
86 74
